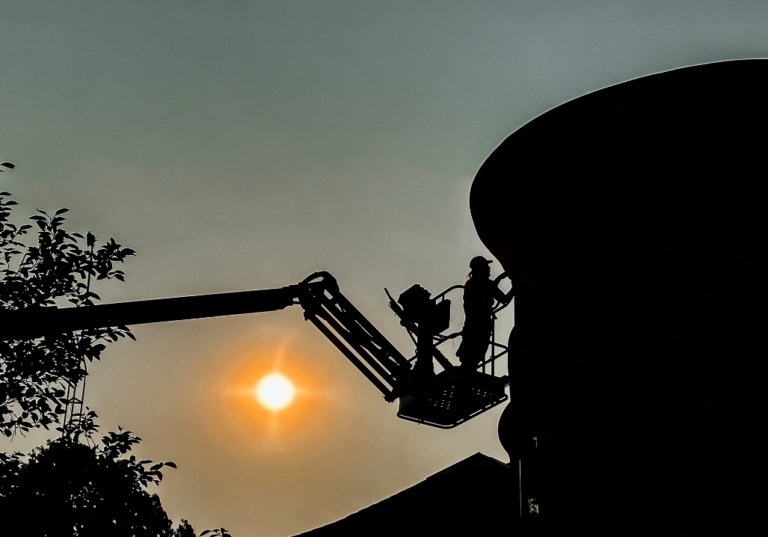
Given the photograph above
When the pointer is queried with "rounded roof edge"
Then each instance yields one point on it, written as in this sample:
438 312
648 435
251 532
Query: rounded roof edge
692 125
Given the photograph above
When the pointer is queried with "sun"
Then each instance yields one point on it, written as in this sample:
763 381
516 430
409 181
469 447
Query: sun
275 391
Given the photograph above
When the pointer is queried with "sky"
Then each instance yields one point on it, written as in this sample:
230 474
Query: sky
245 145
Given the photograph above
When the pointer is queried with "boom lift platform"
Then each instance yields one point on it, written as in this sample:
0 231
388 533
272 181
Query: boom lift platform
442 399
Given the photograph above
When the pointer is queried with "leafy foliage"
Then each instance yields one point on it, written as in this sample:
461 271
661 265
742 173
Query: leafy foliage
37 375
74 486
185 529
70 488
218 532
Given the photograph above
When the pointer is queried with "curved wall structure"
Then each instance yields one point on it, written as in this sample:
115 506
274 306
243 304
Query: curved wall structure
633 222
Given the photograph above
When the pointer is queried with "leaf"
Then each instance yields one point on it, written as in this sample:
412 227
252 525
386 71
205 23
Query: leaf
9 165
61 211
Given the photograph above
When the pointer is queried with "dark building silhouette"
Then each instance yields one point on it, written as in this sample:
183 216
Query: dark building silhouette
471 495
634 229
632 222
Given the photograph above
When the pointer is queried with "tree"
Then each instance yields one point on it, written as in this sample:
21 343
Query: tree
38 377
75 485
71 488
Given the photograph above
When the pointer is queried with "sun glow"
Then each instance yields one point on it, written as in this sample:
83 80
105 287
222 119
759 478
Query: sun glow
241 417
275 391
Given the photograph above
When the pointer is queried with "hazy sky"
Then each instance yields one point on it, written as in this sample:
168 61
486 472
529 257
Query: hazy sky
243 145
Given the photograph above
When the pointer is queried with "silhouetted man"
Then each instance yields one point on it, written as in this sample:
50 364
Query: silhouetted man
481 294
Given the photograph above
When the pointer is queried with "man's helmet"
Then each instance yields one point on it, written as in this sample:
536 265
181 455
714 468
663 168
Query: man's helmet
479 262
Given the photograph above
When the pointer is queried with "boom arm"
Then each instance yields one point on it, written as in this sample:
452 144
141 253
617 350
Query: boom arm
443 400
318 294
38 322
